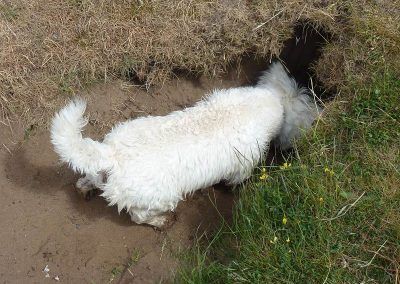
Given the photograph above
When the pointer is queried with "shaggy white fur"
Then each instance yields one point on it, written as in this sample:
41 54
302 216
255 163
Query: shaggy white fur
153 162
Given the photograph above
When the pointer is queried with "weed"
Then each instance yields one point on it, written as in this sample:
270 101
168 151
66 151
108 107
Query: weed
29 131
134 258
118 270
115 272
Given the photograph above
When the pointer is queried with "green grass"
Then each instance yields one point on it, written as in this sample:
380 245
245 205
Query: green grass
332 216
118 270
9 11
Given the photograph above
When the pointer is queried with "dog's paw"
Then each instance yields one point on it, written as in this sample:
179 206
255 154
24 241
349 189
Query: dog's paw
90 194
87 194
158 221
85 188
167 222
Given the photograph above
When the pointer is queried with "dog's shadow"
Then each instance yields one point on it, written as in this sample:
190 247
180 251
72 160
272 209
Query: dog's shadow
46 179
37 171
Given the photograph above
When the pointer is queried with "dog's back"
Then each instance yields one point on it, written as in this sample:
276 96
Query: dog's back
221 138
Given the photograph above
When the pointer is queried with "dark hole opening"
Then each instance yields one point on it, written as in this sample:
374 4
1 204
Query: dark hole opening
301 51
298 55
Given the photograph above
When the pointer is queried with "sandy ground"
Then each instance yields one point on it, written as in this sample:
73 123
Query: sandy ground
45 222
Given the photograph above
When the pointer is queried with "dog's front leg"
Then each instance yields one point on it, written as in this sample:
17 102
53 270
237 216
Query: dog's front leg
152 217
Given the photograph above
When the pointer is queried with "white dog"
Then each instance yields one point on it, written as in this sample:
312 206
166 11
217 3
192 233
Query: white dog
147 165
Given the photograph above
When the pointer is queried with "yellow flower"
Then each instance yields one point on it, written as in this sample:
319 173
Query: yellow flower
285 166
274 240
264 174
288 240
321 200
284 220
329 171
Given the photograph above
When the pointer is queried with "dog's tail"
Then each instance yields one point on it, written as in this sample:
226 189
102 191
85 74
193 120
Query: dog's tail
84 155
300 110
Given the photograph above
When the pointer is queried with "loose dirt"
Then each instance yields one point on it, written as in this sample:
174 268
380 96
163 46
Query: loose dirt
45 222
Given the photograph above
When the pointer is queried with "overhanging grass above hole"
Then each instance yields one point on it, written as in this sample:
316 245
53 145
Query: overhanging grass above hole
125 41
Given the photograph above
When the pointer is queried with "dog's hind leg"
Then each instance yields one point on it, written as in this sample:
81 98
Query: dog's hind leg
88 184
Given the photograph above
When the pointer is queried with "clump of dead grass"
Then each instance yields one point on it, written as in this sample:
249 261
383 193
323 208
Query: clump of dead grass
52 49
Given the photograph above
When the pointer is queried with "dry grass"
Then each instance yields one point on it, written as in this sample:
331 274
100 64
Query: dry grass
368 43
52 49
